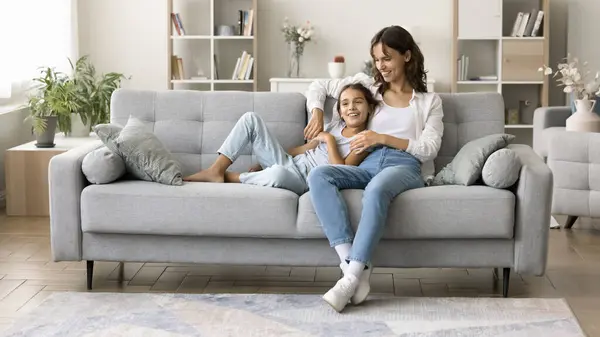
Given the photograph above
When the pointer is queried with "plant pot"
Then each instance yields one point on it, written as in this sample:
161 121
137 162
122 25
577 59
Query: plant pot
46 138
78 129
584 119
336 69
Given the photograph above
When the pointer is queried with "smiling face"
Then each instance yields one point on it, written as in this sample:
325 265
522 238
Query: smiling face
390 63
354 108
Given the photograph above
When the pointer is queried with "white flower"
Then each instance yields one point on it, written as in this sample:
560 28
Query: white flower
300 39
299 31
568 89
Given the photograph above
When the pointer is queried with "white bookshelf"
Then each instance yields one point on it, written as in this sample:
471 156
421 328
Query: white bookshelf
483 32
201 48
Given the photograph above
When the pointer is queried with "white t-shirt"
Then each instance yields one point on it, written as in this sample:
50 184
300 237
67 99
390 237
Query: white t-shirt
319 155
397 122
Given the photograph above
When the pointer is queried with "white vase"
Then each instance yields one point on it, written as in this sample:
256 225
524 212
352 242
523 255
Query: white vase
78 129
584 119
336 69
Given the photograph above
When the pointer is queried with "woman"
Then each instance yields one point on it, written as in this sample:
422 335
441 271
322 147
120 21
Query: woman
289 169
403 138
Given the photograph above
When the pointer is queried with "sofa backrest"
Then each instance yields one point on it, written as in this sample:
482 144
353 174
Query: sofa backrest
193 124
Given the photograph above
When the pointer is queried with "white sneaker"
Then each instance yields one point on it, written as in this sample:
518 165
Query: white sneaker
340 294
364 284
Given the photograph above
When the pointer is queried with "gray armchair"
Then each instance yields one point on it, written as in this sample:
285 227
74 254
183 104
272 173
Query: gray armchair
574 158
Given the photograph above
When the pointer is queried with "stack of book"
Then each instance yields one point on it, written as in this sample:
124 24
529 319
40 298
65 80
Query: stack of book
463 67
528 24
243 67
245 22
176 68
176 19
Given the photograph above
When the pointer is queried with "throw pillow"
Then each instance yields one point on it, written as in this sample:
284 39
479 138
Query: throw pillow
465 169
102 166
501 169
144 154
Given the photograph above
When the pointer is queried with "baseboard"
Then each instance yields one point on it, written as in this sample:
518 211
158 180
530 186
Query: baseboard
2 200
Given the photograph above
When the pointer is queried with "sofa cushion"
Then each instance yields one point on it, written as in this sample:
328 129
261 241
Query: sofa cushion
436 212
102 166
141 207
547 133
501 169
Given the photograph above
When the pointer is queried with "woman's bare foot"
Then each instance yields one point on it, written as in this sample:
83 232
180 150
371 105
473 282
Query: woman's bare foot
209 175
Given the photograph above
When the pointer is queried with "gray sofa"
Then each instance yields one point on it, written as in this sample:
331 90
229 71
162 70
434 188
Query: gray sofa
573 161
442 226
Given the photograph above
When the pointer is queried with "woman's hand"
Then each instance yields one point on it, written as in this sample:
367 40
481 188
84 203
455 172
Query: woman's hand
365 140
315 125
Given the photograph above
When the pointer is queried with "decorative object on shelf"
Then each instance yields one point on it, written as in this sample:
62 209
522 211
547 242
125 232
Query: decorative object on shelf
225 30
583 91
513 116
296 37
337 68
368 67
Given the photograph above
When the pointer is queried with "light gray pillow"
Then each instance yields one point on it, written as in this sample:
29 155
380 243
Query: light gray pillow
501 169
144 154
465 169
102 166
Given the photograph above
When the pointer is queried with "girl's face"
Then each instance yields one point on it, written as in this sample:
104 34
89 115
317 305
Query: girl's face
354 108
389 62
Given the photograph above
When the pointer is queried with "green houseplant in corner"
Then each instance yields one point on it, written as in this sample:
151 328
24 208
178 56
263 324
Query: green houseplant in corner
50 105
93 93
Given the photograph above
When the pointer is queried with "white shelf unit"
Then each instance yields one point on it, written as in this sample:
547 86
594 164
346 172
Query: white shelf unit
201 48
482 31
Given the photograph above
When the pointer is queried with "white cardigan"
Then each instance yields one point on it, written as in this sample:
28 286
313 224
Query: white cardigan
428 106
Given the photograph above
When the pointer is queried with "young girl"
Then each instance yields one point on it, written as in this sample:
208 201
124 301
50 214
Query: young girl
289 170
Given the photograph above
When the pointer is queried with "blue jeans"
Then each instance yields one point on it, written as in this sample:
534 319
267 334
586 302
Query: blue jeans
280 169
384 174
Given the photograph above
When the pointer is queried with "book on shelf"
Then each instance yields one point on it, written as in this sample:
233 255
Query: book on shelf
463 67
177 68
243 67
177 23
245 22
528 24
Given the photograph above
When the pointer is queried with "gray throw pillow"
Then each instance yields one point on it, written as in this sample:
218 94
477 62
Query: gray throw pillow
102 166
465 169
144 154
501 169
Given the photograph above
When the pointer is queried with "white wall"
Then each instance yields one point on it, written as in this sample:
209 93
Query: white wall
131 36
12 133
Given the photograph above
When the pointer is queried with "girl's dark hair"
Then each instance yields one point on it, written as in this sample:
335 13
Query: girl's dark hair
371 101
399 39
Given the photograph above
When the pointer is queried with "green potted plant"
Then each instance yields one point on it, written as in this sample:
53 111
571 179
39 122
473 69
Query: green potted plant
93 93
50 105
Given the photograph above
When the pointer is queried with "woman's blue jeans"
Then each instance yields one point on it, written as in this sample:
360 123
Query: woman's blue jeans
384 174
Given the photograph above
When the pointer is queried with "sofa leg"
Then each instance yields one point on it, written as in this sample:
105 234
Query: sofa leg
505 280
570 221
90 274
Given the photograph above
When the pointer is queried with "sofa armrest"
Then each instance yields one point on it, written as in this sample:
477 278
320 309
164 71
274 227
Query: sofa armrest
66 182
547 117
532 212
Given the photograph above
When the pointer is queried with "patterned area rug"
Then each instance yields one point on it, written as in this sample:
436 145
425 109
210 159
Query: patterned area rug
266 315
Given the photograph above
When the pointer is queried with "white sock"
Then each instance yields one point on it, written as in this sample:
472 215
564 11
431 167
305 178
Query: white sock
343 250
356 268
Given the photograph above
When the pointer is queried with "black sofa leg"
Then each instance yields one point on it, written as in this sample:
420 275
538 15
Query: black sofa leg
505 280
570 221
90 274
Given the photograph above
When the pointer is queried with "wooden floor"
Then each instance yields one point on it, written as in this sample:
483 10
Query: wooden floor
28 276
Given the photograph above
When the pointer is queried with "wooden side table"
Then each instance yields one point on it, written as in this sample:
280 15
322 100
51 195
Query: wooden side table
26 168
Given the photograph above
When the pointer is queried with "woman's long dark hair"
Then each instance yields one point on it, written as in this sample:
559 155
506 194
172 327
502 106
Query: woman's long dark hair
371 100
399 39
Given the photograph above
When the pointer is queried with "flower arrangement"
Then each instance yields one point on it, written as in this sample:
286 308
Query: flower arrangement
298 35
574 82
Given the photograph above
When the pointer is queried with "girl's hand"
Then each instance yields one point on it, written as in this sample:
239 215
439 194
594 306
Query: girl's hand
365 140
255 168
324 137
315 125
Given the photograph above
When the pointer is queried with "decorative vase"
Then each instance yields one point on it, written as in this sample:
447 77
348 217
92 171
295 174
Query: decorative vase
78 129
294 60
45 139
336 69
584 119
